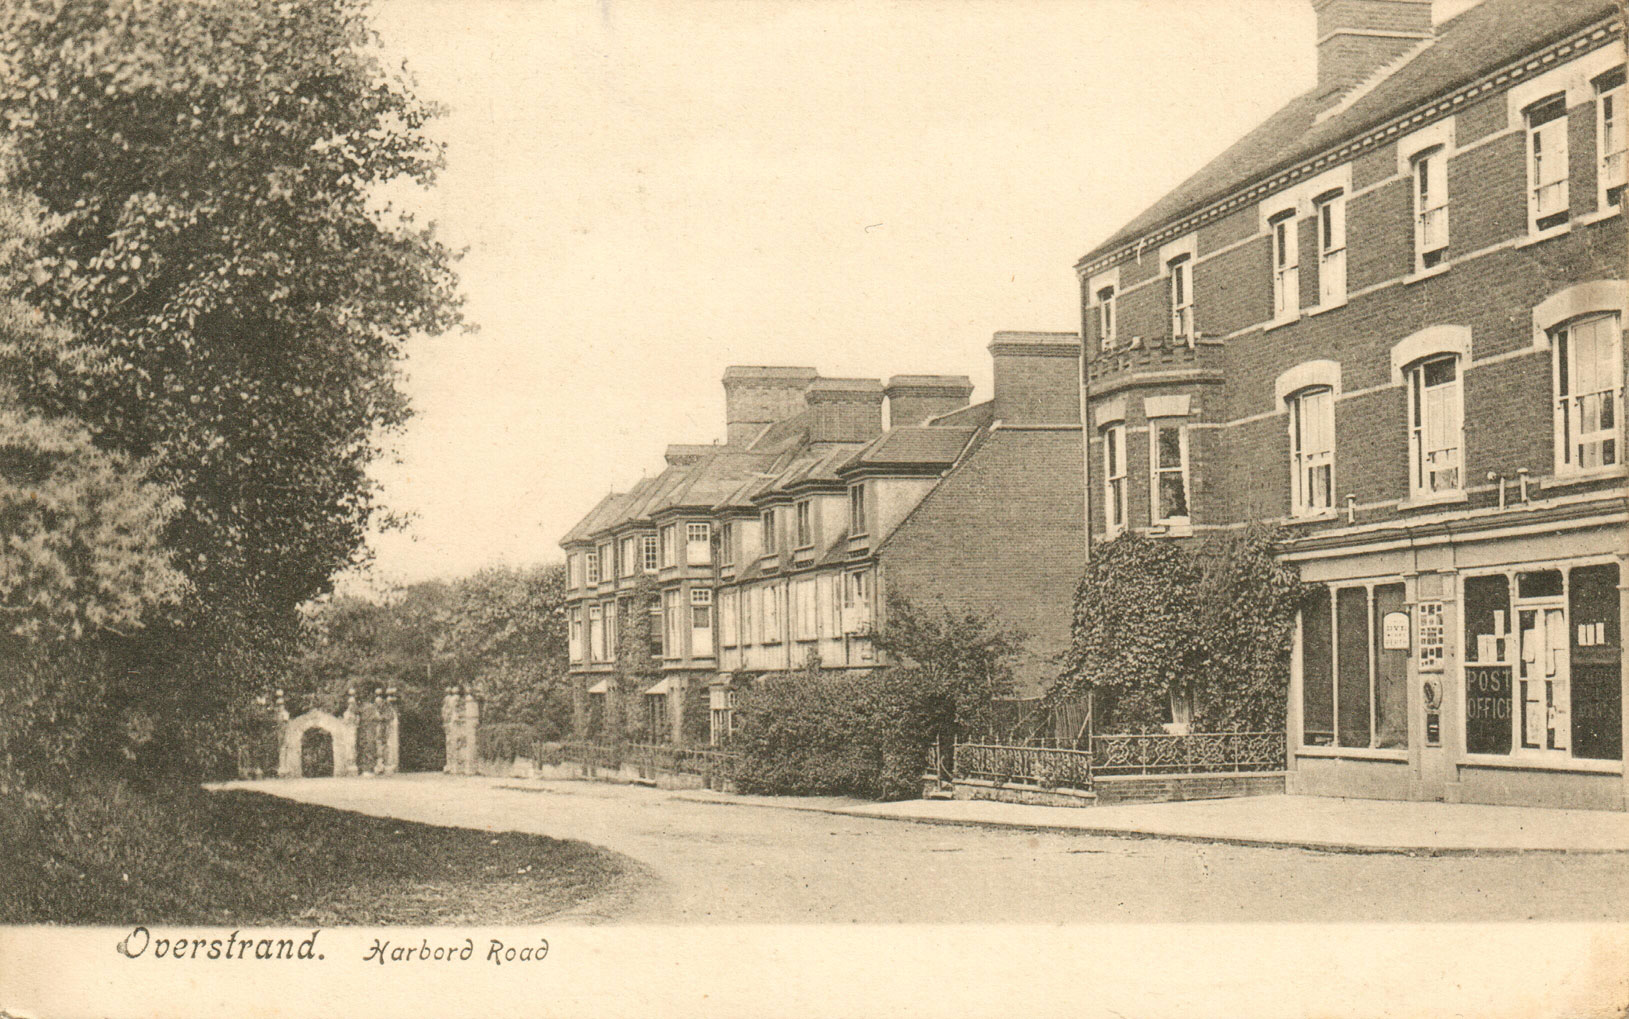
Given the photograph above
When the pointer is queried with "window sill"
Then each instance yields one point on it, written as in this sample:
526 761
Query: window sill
1582 477
1331 306
1313 518
1520 763
1171 529
1394 754
1599 215
1442 499
1279 323
1425 274
1540 236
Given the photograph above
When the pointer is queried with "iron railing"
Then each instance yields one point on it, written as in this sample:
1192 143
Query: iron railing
649 758
1187 754
1043 767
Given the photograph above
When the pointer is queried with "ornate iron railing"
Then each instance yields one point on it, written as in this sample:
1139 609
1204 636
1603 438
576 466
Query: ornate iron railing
1043 767
652 758
1187 754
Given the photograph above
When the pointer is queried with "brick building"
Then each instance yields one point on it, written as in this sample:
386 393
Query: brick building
1391 318
782 543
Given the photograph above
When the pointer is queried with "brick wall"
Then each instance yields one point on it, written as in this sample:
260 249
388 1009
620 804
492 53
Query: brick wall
1001 533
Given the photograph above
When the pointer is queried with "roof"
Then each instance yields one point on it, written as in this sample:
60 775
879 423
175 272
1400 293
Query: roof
936 445
1477 41
976 416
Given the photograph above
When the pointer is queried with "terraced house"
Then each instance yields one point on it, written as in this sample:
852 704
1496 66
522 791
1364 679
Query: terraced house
1392 318
779 546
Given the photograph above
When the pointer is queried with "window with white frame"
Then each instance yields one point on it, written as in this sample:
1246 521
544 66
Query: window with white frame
769 539
650 555
1286 265
698 544
613 612
1114 479
1435 415
1609 137
1547 168
596 633
628 558
857 602
805 523
1180 271
1168 460
769 614
574 633
1430 173
608 566
805 625
729 618
701 622
673 626
574 563
1312 451
748 612
1105 317
726 543
1354 689
591 561
1331 210
856 509
1589 390
670 545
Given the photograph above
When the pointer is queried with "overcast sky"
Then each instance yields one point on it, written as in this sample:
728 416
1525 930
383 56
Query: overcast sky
652 191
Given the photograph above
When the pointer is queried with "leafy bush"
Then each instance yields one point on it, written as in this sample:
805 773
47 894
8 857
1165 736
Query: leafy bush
1157 621
505 741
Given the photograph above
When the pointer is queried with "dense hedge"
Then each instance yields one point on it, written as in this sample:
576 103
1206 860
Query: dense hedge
1210 624
505 741
818 733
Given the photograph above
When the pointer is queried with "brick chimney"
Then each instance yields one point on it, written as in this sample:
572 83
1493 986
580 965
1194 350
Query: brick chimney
1356 38
1037 378
756 396
912 399
845 410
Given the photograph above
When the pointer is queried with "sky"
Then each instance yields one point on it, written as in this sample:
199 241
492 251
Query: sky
651 191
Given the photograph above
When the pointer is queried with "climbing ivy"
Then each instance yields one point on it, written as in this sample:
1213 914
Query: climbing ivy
1157 620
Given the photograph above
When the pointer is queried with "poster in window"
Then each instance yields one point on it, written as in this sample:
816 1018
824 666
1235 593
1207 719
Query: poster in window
1488 704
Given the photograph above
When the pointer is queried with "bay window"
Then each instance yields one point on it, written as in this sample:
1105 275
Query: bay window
670 545
651 557
574 633
1168 483
769 615
1589 390
1114 479
591 562
701 622
1435 417
1312 451
628 558
698 544
729 618
672 626
1105 317
596 633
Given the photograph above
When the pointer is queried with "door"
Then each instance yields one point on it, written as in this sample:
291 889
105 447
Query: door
1543 701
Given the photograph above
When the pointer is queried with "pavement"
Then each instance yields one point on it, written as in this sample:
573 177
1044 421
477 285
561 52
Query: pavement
1305 822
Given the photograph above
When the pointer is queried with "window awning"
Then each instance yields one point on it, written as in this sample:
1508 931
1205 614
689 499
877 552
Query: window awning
659 688
599 687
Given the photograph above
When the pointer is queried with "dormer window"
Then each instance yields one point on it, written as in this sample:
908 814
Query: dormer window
1286 266
1547 167
1180 270
1609 134
856 509
805 523
726 543
770 544
1430 172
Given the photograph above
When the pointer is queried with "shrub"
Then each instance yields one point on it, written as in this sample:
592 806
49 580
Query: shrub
505 741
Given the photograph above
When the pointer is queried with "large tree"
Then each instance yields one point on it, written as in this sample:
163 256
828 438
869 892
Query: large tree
220 168
237 285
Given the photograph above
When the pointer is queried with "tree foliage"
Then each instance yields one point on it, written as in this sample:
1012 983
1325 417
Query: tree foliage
234 287
1157 621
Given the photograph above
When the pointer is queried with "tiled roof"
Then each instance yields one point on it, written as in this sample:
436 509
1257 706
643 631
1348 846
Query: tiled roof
913 444
976 416
1479 40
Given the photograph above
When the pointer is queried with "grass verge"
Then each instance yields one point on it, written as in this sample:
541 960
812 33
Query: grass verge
105 853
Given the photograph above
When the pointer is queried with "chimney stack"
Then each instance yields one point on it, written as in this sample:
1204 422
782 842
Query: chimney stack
1356 38
757 396
1037 378
913 399
844 410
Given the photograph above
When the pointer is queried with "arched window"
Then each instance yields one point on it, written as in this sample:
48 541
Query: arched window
1312 451
1435 427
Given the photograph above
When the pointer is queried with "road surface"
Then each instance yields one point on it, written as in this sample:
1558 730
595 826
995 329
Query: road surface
732 863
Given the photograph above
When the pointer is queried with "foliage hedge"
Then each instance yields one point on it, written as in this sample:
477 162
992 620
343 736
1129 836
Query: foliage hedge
505 741
1210 622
